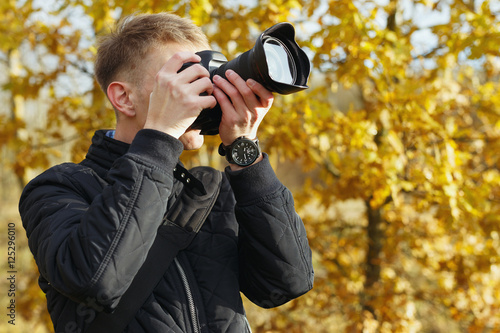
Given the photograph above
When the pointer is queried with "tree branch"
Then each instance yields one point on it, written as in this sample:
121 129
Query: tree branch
56 143
82 69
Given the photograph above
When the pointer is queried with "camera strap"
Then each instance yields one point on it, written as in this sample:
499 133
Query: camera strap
181 223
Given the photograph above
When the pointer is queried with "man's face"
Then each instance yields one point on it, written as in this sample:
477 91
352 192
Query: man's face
155 60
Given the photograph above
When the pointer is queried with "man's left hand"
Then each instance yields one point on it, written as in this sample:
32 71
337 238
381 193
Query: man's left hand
244 104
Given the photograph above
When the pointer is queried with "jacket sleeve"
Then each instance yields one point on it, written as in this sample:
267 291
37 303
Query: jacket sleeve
88 247
275 257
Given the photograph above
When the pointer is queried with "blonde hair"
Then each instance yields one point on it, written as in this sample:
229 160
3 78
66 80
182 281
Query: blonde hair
126 47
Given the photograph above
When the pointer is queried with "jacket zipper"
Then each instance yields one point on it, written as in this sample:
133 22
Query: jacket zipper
192 308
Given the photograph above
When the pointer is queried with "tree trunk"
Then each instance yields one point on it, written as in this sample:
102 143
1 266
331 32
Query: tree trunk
375 237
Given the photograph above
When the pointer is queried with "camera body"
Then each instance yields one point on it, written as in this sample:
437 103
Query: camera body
276 62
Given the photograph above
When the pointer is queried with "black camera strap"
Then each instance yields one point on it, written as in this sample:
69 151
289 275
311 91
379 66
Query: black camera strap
189 211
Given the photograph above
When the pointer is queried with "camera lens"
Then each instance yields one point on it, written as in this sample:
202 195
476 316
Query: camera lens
276 62
279 61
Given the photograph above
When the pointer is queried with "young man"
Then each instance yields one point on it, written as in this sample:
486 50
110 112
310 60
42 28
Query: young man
92 225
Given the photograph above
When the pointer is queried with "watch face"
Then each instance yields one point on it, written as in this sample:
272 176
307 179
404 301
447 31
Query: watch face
244 152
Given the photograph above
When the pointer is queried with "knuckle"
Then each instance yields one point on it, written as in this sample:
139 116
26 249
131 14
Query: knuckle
206 81
247 92
193 102
177 57
164 80
160 77
202 70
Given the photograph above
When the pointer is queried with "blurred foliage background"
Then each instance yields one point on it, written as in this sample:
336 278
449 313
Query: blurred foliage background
393 154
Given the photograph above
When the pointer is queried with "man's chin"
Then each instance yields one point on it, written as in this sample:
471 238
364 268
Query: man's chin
192 139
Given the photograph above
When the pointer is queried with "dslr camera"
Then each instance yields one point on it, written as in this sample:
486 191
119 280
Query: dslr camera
276 62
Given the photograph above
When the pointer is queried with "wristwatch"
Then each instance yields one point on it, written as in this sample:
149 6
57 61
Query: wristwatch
242 151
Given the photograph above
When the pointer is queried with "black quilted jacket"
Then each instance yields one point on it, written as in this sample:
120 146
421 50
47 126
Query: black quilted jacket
90 226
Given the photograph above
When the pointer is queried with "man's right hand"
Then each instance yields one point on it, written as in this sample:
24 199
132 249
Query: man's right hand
176 99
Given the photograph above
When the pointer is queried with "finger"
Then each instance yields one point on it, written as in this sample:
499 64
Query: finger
202 85
169 71
194 72
265 96
180 58
207 102
229 89
222 99
244 90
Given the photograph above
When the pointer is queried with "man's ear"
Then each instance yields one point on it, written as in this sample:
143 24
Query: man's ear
119 96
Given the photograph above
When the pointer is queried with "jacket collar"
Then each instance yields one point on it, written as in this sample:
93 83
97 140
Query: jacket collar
104 151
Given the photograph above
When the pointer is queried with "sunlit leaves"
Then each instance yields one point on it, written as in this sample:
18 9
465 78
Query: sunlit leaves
400 130
417 145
